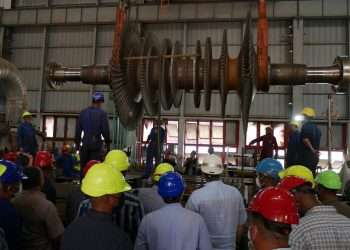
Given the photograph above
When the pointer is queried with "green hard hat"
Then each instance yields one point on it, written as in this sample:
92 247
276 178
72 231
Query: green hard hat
329 179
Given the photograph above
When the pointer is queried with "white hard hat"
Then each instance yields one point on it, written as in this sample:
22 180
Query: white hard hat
212 165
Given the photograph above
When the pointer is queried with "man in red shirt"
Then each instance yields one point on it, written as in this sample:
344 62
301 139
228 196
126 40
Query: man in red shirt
269 144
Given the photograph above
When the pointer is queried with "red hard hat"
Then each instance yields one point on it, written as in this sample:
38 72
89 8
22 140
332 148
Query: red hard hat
275 204
43 159
10 156
291 182
88 166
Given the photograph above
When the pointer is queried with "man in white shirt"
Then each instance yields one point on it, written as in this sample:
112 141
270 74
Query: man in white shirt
220 205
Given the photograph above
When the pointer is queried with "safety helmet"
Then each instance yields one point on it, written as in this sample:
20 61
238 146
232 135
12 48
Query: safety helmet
299 171
10 156
269 167
66 148
102 180
162 169
89 165
117 159
98 97
310 112
171 185
329 179
10 173
212 165
291 182
26 114
275 204
295 123
43 159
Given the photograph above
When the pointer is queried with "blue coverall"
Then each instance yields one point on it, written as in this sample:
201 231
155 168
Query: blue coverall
67 163
307 157
293 148
26 138
93 122
152 148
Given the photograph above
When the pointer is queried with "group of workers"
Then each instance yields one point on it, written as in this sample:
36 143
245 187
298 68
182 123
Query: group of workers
303 146
291 210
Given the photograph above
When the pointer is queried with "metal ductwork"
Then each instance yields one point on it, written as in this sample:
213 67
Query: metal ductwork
14 91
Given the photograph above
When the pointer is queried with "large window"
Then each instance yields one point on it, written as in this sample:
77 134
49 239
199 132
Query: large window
172 133
200 135
59 128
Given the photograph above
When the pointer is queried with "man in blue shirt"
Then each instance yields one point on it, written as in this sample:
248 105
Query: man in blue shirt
153 147
310 137
26 135
10 178
172 227
293 144
91 125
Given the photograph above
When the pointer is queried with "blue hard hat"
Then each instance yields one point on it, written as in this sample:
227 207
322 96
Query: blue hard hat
269 167
10 172
98 97
171 185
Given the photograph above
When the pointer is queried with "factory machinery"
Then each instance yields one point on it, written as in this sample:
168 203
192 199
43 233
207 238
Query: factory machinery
144 73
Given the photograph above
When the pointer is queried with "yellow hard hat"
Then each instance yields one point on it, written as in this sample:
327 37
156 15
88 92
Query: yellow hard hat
310 112
102 180
298 171
117 159
26 113
295 123
161 169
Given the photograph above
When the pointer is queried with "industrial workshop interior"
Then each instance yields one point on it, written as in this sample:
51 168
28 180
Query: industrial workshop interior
174 124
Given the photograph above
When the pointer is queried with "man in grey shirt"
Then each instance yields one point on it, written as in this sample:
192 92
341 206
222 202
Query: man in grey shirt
220 205
172 227
149 197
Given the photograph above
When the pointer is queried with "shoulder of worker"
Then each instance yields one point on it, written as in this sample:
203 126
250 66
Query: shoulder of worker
176 211
342 208
92 109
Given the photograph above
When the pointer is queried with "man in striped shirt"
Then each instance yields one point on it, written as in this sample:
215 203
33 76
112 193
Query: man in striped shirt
130 211
321 227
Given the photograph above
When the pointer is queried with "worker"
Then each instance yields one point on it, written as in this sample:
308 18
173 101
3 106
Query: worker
91 125
66 162
220 205
76 196
41 226
10 156
293 144
44 161
10 180
96 230
328 184
26 135
157 132
298 171
267 173
321 227
269 144
273 211
129 213
191 164
310 137
172 227
149 197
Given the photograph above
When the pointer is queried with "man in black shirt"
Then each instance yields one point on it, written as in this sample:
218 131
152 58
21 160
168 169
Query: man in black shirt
96 230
